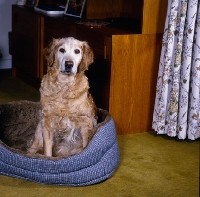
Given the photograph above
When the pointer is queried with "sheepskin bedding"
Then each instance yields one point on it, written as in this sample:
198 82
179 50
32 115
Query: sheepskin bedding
97 162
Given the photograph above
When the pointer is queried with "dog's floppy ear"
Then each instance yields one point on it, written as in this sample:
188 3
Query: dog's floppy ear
50 50
88 57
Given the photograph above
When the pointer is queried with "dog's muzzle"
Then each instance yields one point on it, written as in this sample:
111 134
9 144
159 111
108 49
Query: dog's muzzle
68 66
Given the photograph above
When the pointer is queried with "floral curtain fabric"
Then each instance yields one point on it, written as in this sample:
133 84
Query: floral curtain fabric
177 103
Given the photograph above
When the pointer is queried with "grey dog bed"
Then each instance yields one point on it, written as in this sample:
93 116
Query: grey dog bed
95 163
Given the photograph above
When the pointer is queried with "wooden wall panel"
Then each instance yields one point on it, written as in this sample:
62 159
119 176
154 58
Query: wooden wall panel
133 81
103 9
132 9
154 14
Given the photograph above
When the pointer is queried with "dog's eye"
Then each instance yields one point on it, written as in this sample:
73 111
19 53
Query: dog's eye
76 51
62 50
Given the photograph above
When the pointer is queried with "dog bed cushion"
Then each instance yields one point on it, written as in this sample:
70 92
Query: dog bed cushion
97 162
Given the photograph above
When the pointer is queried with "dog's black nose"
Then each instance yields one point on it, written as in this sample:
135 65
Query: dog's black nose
68 66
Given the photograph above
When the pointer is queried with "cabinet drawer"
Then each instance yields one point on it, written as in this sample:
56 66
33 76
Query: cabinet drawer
94 39
53 29
22 23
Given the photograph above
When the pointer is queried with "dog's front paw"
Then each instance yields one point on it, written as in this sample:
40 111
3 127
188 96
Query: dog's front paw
31 151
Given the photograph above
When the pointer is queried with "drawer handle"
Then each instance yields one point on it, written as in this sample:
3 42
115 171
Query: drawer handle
105 50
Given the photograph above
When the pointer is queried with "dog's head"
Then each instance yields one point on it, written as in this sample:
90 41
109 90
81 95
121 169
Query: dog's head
71 56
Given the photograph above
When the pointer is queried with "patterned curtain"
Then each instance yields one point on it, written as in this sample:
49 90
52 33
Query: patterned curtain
177 103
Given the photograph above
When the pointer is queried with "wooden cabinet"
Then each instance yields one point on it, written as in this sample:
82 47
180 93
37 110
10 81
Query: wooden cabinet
26 45
150 13
133 81
123 76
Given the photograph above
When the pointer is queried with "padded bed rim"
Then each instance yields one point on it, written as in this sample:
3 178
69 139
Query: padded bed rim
83 177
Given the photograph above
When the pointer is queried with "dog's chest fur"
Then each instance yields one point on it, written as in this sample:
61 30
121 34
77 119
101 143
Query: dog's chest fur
64 102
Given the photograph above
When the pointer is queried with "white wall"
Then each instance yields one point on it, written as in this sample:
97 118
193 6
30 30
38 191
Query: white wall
5 27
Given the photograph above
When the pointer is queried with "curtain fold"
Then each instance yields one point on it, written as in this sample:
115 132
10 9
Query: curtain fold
177 102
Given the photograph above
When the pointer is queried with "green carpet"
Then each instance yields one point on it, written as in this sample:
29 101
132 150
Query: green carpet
151 165
13 89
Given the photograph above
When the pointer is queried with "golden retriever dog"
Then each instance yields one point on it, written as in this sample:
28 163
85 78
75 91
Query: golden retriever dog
68 112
